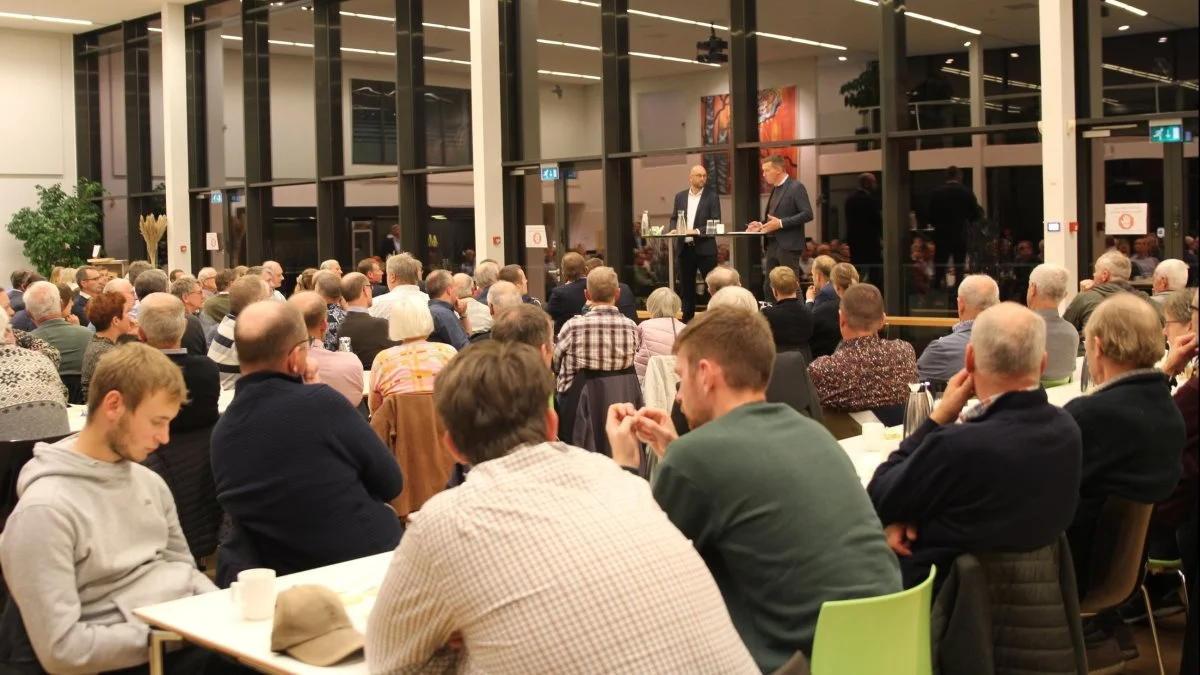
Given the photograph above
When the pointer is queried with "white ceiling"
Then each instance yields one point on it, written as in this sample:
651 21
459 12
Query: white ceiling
847 23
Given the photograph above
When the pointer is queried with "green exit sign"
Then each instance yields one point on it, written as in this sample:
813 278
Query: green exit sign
1169 133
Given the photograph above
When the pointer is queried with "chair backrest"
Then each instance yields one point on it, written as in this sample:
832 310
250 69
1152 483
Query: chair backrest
1116 555
584 408
410 426
886 634
13 456
186 467
790 384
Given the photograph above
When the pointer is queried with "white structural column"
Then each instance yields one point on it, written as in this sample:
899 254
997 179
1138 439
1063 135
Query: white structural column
978 119
1058 134
486 146
175 139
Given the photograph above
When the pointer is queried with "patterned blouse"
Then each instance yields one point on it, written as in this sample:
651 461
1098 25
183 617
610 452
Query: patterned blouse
864 373
410 368
36 344
99 346
28 377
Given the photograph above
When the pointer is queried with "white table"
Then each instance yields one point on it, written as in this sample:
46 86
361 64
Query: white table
671 248
212 622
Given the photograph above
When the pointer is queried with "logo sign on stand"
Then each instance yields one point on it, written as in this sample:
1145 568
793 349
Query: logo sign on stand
1126 219
535 236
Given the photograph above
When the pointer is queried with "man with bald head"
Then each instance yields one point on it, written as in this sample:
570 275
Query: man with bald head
697 251
162 324
304 478
340 370
332 265
943 357
272 273
1002 480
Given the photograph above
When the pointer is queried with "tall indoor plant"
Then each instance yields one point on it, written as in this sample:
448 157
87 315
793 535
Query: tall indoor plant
63 227
862 94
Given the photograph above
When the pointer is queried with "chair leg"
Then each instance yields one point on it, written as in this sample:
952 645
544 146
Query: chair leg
1183 592
1153 630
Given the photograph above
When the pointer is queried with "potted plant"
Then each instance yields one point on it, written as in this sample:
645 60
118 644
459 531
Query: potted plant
862 94
63 228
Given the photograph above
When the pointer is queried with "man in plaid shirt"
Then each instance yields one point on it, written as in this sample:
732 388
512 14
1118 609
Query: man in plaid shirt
601 339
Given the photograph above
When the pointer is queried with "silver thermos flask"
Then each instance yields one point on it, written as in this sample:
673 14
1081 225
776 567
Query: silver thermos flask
918 408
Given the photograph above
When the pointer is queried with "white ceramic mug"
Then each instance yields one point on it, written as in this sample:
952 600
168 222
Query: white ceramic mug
872 433
254 594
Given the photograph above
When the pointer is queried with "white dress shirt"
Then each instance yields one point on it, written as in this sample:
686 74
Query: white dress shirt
381 307
693 205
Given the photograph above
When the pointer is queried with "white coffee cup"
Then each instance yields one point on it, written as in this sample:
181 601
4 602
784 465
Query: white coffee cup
254 594
872 433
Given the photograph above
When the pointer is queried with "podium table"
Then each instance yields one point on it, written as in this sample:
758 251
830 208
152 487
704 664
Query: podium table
731 236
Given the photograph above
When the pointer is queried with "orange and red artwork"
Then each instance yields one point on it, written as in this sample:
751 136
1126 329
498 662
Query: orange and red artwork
776 122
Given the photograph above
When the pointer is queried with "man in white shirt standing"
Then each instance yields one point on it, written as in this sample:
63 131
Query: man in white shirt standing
555 585
403 274
696 252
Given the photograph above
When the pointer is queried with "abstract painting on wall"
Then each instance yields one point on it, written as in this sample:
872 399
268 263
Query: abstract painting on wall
776 122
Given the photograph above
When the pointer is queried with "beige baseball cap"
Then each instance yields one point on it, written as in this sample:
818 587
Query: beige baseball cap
311 626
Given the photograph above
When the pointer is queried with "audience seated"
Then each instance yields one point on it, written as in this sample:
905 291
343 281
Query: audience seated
1143 257
944 357
1047 288
328 285
155 281
207 278
462 571
368 335
22 280
1170 276
1133 433
865 371
125 288
1180 312
413 364
734 296
106 314
450 323
162 324
487 272
821 291
626 300
340 370
303 477
791 320
333 266
33 401
1110 276
721 276
657 334
44 304
500 296
372 269
189 292
1004 479
567 300
223 350
403 275
515 275
272 273
90 281
603 339
766 495
23 339
826 333
217 305
89 493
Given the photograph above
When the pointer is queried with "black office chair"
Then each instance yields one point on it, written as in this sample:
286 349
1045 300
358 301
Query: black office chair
13 456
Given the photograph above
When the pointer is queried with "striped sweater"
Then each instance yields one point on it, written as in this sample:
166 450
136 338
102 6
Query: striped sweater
224 352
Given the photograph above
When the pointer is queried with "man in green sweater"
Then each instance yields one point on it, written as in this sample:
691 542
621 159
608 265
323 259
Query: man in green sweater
766 495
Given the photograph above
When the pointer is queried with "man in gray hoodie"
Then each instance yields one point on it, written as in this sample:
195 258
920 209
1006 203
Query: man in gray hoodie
95 534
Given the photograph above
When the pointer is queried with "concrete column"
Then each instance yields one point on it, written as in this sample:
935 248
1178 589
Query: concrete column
214 75
486 141
175 136
1058 133
978 119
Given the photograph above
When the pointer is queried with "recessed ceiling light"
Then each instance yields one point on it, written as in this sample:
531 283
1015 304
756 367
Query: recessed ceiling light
841 58
562 74
1122 27
949 61
1126 7
967 43
1162 40
1014 55
48 19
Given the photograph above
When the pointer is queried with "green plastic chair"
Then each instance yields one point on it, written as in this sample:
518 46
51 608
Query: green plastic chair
887 634
1049 384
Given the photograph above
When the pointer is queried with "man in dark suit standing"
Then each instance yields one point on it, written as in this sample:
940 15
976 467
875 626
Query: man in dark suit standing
788 209
567 299
390 244
864 230
699 204
952 209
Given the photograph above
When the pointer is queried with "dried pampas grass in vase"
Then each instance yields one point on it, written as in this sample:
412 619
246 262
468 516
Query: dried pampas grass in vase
153 228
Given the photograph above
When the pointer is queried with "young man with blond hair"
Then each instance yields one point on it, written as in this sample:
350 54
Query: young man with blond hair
95 535
791 320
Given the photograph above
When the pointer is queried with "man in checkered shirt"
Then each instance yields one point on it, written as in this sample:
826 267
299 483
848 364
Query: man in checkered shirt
602 339
548 559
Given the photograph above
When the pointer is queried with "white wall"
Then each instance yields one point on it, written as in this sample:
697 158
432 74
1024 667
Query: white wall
37 127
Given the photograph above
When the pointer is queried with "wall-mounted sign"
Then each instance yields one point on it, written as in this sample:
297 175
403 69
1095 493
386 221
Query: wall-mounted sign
1127 219
549 172
216 197
211 241
535 236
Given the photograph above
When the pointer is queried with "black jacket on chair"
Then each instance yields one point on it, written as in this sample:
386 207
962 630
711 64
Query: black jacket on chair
184 464
585 406
708 209
203 380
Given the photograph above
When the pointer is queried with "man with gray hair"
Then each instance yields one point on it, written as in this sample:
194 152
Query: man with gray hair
155 281
487 272
1006 478
502 295
944 356
1170 276
44 304
403 275
1047 289
162 326
329 286
272 273
450 323
602 339
332 265
1109 277
207 276
721 276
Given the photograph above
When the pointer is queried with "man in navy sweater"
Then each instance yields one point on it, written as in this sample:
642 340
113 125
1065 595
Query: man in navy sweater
1005 479
303 476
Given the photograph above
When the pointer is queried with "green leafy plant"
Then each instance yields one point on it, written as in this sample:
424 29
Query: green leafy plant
63 227
862 93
